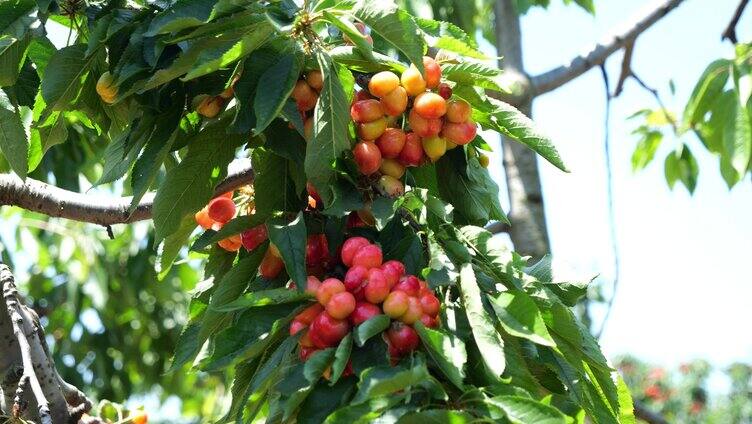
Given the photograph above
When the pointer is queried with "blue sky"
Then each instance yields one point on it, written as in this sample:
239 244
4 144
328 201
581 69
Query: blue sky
685 289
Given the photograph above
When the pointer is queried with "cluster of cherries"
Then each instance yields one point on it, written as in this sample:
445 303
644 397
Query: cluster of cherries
437 121
218 212
306 94
370 287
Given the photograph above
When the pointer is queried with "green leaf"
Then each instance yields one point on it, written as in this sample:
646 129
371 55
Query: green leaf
626 407
190 185
62 88
171 246
363 413
707 90
645 150
16 16
381 381
180 15
371 327
394 25
450 37
317 364
437 416
290 238
520 316
236 226
330 131
323 400
274 183
186 348
12 59
357 61
489 341
472 73
260 298
352 32
13 142
520 410
341 358
447 351
274 88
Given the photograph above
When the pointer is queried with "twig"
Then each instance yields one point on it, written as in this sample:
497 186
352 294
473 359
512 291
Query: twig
10 296
730 32
657 97
644 414
626 68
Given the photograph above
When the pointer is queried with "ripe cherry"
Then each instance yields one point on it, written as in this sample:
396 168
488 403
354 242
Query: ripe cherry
231 244
429 321
414 311
253 237
271 265
350 246
408 284
430 304
315 80
209 106
382 83
355 280
432 72
396 303
329 288
312 285
412 153
372 130
422 126
395 102
327 331
434 147
391 142
459 133
390 186
363 312
445 91
366 110
458 111
362 95
305 97
307 315
413 81
429 105
367 156
368 256
305 340
392 168
403 337
393 270
297 326
203 219
140 418
377 288
221 209
317 249
341 305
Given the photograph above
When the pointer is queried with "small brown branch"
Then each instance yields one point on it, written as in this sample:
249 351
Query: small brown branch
730 32
643 413
37 196
626 68
657 97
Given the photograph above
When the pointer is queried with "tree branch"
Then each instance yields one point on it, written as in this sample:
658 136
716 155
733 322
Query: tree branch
40 197
645 414
598 53
730 32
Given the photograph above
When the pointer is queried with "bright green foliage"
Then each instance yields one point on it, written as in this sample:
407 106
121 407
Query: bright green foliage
508 348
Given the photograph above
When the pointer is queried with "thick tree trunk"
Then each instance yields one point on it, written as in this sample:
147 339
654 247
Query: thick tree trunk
528 231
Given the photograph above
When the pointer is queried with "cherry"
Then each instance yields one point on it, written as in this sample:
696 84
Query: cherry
305 97
350 246
390 186
315 80
377 288
307 315
231 244
429 105
445 90
429 321
362 95
484 160
450 144
458 111
392 168
459 133
367 156
435 147
412 152
274 250
422 126
253 237
203 219
372 130
424 288
382 83
305 340
395 102
391 142
313 193
271 265
408 284
329 288
312 285
341 305
368 256
363 312
403 337
430 304
106 88
366 110
317 249
306 352
327 331
221 209
140 418
393 270
414 311
432 71
396 303
413 81
209 106
355 280
296 326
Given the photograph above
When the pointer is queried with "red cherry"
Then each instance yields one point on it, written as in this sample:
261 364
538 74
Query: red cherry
414 311
221 209
253 237
328 330
363 312
306 352
429 321
309 314
396 303
296 326
355 280
341 305
430 304
350 246
377 288
393 270
408 284
403 337
312 285
329 288
368 157
271 265
369 256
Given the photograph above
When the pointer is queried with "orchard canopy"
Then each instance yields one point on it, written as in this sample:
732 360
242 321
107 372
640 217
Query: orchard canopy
324 160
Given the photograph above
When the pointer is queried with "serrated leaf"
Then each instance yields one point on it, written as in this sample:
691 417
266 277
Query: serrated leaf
381 381
236 226
351 32
180 15
371 327
520 317
61 89
261 298
363 413
355 60
317 364
486 337
447 351
521 410
274 88
190 185
171 246
472 73
394 25
437 416
13 142
274 183
12 58
330 131
186 348
290 238
341 358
